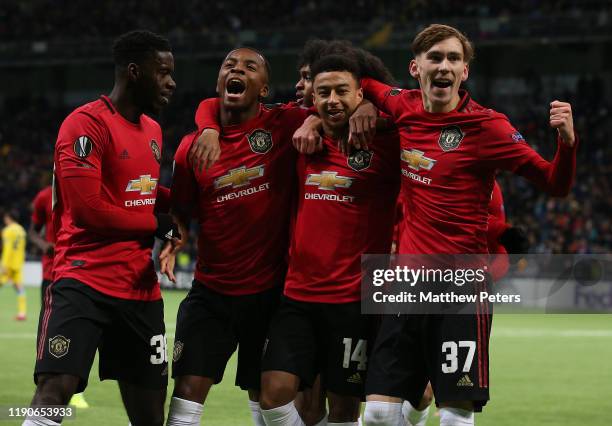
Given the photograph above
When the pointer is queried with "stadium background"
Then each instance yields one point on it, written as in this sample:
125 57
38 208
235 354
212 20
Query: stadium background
56 55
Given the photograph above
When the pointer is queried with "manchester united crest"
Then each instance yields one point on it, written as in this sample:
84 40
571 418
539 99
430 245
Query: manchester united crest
450 138
59 346
178 350
156 150
360 159
260 141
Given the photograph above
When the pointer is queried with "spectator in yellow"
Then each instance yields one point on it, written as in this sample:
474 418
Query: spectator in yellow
13 257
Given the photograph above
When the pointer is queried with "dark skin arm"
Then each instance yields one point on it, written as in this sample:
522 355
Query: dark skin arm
45 246
205 151
167 257
362 128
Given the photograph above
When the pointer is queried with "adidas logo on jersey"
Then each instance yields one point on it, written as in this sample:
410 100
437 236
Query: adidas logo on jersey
355 378
124 155
169 235
465 381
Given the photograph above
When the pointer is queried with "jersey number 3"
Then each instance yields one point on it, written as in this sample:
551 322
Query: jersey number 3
450 349
159 343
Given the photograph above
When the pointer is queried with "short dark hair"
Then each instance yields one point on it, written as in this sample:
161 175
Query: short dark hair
435 33
334 62
136 46
12 213
369 64
313 49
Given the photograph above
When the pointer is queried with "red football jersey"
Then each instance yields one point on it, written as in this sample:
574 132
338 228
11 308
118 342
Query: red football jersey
448 166
41 216
96 146
243 203
345 209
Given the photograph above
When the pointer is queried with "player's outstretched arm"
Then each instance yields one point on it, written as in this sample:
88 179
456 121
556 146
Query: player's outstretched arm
504 148
556 177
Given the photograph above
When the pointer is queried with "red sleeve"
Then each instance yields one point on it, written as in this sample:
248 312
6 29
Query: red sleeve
294 116
503 147
207 115
80 146
499 262
386 98
497 217
162 201
39 211
496 205
183 193
79 151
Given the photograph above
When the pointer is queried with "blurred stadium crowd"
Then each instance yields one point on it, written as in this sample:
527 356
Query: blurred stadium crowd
29 28
579 224
20 20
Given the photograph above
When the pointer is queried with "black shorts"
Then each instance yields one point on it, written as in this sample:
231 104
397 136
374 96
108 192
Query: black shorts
77 320
451 351
43 289
209 327
306 339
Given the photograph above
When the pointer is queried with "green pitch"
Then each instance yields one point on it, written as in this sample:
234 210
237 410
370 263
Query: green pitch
546 370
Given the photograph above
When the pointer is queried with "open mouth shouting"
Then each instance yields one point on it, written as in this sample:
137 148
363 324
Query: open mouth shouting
441 83
234 88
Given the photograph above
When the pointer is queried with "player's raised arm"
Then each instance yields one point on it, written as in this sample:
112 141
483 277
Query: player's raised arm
508 150
561 119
